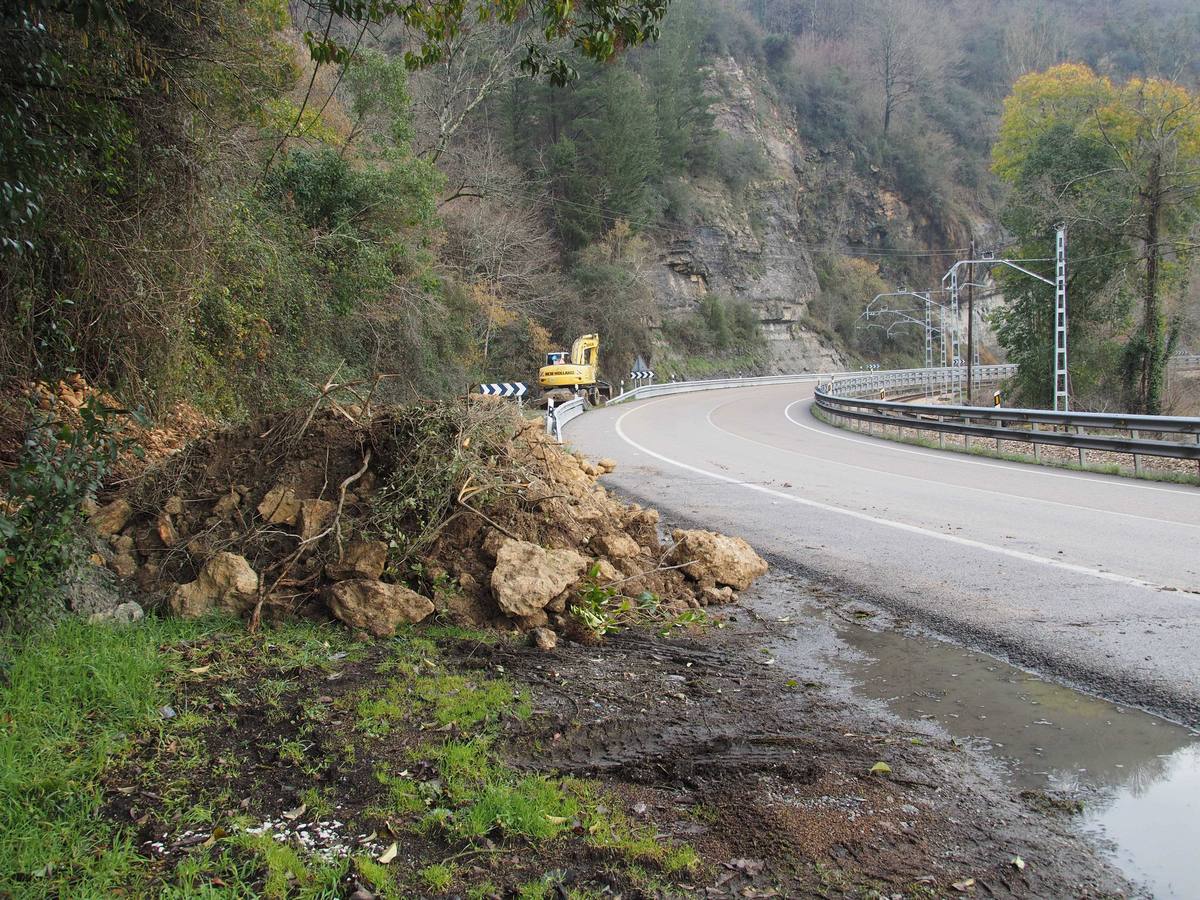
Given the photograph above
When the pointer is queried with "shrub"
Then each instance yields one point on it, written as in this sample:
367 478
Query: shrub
60 467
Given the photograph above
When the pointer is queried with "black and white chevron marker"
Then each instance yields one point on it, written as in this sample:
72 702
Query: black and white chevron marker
644 375
505 389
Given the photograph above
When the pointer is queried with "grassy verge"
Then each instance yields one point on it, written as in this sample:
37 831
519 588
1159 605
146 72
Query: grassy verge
195 760
978 450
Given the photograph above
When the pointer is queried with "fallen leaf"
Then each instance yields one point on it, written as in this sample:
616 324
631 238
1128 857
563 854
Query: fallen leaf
881 768
200 670
555 820
297 812
389 854
967 884
1018 863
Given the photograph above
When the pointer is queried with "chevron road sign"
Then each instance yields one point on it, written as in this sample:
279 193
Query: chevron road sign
504 389
644 375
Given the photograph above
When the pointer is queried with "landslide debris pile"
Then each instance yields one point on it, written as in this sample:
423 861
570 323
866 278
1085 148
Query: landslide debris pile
464 507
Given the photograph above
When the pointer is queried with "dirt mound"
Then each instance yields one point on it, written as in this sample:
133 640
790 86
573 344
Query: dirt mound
339 512
23 402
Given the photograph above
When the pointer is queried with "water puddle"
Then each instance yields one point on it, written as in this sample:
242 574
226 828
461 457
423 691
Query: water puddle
1137 776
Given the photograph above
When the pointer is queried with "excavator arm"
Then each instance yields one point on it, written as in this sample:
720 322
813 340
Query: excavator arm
585 351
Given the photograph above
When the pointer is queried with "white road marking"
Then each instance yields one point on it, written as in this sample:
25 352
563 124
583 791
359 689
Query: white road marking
886 523
952 456
962 487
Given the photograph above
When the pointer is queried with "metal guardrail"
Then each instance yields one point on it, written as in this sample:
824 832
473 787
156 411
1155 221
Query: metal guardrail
1185 361
1179 436
842 394
559 415
712 384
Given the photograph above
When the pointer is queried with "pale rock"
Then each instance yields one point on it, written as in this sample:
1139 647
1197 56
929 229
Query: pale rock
173 506
109 519
606 572
362 559
227 504
123 613
713 559
607 464
123 565
713 595
527 576
314 516
280 506
226 583
615 545
122 543
376 607
166 530
544 639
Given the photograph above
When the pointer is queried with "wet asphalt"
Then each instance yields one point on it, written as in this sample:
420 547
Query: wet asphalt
1092 579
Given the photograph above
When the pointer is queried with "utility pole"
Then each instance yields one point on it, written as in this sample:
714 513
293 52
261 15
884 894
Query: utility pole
971 324
1062 379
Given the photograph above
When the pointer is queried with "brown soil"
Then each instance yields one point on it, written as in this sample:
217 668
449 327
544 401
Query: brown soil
782 771
768 779
441 484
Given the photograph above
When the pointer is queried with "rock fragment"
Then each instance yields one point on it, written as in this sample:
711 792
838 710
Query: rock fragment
716 559
314 516
527 576
226 583
362 559
110 519
544 639
280 506
375 606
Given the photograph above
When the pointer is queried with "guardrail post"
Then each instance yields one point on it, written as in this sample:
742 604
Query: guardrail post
1137 457
1082 452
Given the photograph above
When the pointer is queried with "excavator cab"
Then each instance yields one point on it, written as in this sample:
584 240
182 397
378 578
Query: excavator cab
564 376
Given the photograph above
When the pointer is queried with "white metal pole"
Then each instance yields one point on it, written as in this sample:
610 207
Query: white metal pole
1062 378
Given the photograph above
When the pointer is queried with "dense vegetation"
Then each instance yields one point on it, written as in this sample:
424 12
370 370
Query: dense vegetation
216 203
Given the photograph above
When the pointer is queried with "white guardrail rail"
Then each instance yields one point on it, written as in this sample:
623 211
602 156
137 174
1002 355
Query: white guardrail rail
862 397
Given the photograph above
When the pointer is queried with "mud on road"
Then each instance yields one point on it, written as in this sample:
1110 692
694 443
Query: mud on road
768 772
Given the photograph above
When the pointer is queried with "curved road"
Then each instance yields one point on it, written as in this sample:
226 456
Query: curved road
1088 577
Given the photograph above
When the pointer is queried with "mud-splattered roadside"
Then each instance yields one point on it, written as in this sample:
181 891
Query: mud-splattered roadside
766 766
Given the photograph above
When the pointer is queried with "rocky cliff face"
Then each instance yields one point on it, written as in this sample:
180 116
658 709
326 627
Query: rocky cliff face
757 244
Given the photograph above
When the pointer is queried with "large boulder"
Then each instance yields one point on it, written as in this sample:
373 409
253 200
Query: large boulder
362 559
527 576
375 606
226 583
716 559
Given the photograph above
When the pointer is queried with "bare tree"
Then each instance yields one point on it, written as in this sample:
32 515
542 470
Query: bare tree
909 52
1034 39
477 62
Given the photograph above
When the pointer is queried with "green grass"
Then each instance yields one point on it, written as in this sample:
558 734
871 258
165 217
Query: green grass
71 698
80 705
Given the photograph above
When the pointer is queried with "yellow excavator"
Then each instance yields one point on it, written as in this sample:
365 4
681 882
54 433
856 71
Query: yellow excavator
565 376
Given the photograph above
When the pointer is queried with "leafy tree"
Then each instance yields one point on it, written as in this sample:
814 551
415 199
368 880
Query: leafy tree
594 29
1121 164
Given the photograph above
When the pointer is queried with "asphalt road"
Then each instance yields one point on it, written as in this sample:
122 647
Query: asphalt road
1091 578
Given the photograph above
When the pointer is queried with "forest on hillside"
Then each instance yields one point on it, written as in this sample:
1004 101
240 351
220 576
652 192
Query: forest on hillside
223 203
